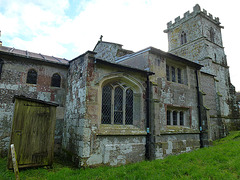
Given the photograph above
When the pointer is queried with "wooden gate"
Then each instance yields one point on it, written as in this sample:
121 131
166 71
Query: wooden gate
33 130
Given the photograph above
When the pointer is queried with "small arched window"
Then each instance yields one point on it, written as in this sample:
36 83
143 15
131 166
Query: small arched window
183 38
32 76
212 34
56 80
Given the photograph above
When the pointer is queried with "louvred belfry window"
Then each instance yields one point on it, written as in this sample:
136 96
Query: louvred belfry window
117 105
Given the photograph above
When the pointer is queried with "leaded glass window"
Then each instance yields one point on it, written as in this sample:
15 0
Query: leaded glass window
181 118
106 104
179 72
129 107
173 75
174 118
167 73
117 104
32 77
56 80
168 117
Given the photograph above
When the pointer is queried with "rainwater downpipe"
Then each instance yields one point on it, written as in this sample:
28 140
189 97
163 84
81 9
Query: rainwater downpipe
199 111
147 153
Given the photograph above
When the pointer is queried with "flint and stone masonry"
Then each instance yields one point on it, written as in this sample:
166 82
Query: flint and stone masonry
117 106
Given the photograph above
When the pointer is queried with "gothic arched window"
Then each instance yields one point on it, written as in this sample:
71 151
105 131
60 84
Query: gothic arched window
32 77
56 80
117 104
183 38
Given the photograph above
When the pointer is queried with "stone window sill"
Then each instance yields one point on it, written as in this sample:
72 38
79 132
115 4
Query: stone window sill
126 130
179 130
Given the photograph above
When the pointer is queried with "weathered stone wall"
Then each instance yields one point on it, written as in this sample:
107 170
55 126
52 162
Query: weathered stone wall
13 82
89 142
114 144
204 45
107 51
168 144
169 139
207 86
74 120
110 51
167 95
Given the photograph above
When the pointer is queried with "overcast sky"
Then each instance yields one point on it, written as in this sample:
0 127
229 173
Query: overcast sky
68 28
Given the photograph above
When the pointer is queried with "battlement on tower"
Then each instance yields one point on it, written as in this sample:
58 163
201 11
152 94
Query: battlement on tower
187 15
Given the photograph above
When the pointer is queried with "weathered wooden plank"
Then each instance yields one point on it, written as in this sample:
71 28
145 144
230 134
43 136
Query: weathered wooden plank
15 164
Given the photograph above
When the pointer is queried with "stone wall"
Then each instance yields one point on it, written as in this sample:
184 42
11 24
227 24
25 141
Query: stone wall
74 120
167 95
86 139
107 51
110 51
204 45
13 82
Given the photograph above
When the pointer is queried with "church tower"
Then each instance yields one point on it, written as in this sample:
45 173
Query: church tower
197 37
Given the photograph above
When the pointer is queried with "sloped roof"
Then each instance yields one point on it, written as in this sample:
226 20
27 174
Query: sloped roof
34 56
163 53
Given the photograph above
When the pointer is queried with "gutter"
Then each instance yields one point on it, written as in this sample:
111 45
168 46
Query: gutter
199 111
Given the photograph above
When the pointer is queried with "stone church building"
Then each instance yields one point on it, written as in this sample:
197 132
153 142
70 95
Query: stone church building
117 106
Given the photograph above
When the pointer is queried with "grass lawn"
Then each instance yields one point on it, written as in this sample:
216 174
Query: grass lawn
221 161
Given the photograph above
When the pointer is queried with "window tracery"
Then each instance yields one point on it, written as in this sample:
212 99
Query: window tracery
117 104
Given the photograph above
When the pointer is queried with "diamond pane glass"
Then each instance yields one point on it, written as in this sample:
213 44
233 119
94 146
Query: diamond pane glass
129 107
118 104
106 104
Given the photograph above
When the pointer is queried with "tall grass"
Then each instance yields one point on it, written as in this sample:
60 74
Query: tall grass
221 161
